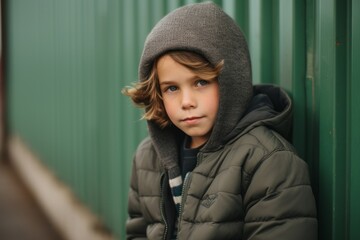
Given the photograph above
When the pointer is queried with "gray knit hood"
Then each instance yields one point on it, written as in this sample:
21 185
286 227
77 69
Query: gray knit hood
204 29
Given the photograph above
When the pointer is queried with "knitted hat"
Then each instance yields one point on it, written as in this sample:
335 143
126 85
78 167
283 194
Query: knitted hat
205 29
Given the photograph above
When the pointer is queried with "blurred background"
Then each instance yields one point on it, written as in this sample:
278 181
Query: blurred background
68 134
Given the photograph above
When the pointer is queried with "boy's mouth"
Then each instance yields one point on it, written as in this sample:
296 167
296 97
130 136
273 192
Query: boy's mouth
191 119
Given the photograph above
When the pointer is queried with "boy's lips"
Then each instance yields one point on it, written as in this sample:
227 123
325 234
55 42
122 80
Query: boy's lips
191 120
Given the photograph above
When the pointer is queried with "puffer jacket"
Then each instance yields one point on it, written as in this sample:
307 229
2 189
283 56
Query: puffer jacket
248 182
253 187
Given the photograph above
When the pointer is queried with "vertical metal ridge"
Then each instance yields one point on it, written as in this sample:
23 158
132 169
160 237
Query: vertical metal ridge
354 119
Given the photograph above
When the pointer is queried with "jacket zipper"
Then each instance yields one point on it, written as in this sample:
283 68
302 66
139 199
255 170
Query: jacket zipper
162 205
183 193
187 176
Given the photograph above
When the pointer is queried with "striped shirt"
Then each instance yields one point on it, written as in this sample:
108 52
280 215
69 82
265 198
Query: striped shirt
187 162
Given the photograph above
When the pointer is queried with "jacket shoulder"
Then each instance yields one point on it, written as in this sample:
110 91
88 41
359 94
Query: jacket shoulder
145 156
145 145
276 187
261 144
270 140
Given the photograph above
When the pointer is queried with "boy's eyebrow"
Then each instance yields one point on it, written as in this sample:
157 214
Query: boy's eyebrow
167 82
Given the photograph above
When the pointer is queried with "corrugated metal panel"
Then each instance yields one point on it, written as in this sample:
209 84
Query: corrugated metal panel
326 94
334 59
353 185
66 71
68 61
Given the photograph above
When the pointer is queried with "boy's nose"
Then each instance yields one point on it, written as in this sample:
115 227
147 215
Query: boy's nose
188 100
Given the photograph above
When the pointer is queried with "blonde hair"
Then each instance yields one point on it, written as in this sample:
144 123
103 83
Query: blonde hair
147 94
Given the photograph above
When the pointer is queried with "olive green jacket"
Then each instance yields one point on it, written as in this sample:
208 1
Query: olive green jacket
248 183
253 187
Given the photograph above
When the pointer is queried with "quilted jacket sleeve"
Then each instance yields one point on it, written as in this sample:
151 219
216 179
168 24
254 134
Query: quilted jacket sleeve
279 202
136 224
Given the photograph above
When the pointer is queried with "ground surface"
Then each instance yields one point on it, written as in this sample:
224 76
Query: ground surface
20 216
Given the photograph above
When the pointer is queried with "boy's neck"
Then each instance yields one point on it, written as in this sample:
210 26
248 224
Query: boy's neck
195 142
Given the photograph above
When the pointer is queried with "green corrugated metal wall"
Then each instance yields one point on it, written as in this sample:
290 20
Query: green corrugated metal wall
68 60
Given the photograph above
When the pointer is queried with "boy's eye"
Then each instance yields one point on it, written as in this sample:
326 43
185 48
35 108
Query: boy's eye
201 82
171 88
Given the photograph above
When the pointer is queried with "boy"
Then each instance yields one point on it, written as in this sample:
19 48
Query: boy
217 164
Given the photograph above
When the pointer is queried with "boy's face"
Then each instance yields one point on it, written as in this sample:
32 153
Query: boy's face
191 103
